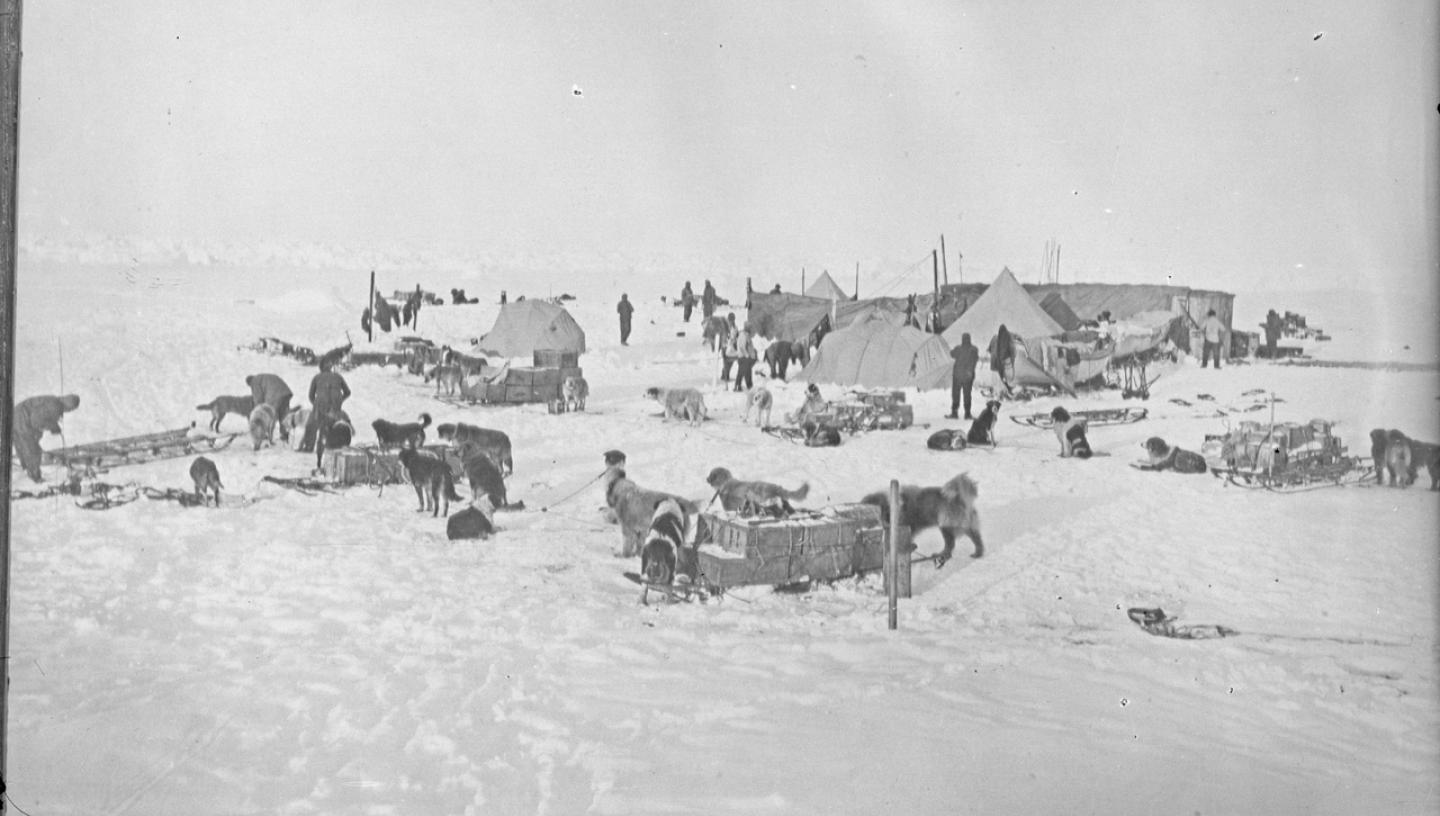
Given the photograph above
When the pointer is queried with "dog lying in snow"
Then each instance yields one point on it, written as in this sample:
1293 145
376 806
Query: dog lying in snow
1166 457
680 403
950 507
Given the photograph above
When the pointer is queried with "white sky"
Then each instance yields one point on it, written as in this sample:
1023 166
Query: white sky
1219 142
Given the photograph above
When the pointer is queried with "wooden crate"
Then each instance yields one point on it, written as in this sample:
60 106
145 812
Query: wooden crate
362 466
554 358
368 465
820 545
881 399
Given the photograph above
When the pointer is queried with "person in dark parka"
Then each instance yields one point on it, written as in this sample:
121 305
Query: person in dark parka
33 417
962 375
1002 357
687 300
271 390
708 300
328 392
625 310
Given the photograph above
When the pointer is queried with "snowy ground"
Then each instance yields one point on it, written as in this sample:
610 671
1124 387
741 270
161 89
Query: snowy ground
336 654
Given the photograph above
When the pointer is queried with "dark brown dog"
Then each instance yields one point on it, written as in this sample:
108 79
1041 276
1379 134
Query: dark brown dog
432 480
207 480
495 443
396 434
982 431
1398 459
1425 454
951 507
484 474
1378 443
220 406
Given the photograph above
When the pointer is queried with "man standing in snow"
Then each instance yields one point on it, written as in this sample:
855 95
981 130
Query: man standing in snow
687 300
745 357
1214 330
1272 333
728 337
624 309
962 375
707 301
328 392
32 418
1002 357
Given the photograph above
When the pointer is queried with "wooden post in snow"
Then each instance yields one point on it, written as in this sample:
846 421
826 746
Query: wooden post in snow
10 160
892 557
944 262
802 280
370 332
856 294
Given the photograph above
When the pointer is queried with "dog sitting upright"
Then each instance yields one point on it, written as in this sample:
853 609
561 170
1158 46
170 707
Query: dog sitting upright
1071 433
1165 457
632 505
432 480
754 498
484 474
951 507
220 406
982 431
207 480
396 434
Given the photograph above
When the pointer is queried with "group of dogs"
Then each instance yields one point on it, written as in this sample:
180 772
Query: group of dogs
484 454
658 526
1397 455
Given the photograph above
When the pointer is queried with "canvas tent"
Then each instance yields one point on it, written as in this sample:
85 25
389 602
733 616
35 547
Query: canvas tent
875 353
825 288
527 325
1005 302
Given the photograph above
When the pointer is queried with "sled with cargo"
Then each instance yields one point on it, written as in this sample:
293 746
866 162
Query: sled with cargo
134 450
1284 457
1098 416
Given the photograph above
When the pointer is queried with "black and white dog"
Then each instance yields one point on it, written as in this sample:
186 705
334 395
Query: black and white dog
1071 433
982 431
660 557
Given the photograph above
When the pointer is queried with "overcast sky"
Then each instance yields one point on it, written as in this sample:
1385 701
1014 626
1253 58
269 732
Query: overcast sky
1232 144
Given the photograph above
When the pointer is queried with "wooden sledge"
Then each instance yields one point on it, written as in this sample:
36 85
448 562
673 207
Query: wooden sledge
1347 470
134 450
1099 416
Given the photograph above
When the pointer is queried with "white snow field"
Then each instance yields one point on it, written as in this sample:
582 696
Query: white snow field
336 654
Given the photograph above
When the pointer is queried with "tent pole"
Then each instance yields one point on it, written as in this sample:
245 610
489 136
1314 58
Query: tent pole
944 262
802 280
856 294
370 332
9 157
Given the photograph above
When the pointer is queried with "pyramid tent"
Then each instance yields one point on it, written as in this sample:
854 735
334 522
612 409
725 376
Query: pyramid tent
826 288
1006 303
527 325
875 353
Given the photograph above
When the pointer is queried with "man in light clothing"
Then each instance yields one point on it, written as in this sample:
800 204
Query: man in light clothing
1214 331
